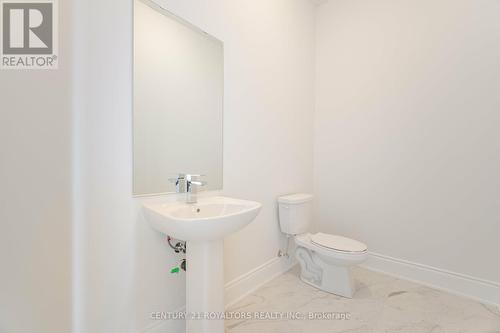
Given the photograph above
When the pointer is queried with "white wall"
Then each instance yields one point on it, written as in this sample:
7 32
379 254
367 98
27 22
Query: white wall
269 97
407 129
406 148
105 219
35 191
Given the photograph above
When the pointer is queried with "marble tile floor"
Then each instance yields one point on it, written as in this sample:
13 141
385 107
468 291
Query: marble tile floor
381 304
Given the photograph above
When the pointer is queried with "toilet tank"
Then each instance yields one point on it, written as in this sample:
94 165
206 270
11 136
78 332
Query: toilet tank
295 213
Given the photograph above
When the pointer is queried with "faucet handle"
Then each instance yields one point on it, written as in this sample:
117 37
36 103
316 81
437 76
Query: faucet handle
191 176
198 183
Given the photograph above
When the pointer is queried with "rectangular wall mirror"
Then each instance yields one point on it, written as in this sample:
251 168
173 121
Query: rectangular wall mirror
178 101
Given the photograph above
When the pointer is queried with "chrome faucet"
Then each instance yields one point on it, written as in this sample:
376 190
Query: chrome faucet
187 183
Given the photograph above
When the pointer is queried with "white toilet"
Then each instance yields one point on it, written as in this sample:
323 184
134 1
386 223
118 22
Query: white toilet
324 258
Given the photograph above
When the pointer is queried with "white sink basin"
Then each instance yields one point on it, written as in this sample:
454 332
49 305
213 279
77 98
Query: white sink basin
203 226
210 219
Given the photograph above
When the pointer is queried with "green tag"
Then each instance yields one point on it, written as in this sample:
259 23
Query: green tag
174 270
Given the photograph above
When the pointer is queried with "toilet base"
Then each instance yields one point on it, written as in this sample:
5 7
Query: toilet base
328 277
335 280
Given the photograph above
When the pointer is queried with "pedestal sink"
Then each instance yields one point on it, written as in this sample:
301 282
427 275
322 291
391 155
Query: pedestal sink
203 226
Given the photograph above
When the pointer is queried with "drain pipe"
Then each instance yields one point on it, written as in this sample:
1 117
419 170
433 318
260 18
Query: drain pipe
179 247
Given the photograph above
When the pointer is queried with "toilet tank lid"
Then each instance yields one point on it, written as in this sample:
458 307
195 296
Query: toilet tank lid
294 199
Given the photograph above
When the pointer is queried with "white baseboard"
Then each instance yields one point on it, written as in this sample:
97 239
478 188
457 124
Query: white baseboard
247 283
234 291
484 291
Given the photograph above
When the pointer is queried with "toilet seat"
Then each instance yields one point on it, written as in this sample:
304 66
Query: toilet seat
327 258
304 240
338 243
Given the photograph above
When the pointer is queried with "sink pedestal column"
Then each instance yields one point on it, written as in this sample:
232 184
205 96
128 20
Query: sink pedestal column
205 286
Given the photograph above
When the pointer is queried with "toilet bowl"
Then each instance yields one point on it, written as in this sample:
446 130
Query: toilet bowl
326 265
325 259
